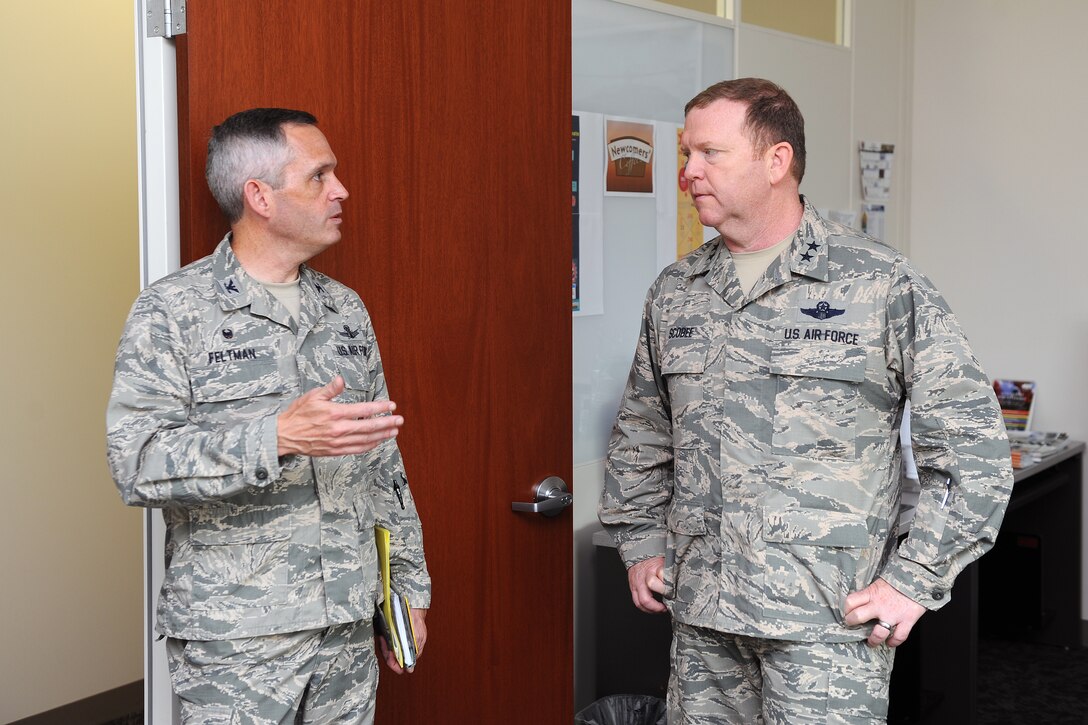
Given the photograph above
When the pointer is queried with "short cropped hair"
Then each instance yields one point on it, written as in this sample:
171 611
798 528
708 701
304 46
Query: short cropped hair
249 145
772 115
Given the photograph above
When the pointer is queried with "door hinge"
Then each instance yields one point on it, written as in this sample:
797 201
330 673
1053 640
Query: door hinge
165 18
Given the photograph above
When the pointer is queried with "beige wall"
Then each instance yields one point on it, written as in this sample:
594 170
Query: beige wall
846 95
817 19
70 552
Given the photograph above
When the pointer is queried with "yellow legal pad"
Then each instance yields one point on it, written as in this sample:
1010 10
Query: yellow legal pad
395 611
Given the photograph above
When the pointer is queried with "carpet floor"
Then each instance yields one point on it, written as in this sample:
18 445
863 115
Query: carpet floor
1031 684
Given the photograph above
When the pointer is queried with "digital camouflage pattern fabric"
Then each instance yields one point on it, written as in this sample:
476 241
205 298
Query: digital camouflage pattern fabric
322 676
729 679
255 544
756 447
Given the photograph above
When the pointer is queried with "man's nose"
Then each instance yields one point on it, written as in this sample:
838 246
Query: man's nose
339 192
692 170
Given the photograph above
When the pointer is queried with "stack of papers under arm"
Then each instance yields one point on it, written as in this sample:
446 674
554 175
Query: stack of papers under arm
403 632
393 621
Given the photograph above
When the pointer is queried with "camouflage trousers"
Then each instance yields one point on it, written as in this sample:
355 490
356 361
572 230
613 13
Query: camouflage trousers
725 678
318 676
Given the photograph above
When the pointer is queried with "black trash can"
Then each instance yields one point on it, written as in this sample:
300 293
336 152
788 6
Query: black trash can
623 710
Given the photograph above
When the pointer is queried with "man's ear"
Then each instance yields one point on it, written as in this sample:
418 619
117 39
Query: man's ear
779 160
258 197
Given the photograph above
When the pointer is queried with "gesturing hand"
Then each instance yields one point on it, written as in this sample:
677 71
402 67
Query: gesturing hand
314 425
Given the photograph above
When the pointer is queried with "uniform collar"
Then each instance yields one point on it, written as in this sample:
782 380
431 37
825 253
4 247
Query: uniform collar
808 253
236 289
806 256
313 285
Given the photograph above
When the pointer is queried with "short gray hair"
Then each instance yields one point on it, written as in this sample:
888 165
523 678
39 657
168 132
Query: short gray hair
249 145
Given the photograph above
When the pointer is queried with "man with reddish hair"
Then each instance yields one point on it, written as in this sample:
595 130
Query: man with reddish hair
753 476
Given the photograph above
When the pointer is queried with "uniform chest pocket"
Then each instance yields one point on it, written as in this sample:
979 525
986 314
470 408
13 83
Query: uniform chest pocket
357 385
238 390
816 400
683 365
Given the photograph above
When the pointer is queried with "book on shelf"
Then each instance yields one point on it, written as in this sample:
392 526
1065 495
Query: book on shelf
393 621
1017 401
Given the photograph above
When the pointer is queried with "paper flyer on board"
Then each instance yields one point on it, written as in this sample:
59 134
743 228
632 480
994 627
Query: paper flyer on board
629 157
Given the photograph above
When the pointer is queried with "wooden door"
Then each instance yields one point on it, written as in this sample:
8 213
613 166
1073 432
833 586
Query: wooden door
451 123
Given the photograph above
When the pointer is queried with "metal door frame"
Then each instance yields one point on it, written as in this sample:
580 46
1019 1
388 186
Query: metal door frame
159 249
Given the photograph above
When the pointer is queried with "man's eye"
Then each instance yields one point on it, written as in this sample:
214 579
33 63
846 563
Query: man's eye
319 176
710 153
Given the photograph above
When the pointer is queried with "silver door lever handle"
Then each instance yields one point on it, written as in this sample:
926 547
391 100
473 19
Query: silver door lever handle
552 497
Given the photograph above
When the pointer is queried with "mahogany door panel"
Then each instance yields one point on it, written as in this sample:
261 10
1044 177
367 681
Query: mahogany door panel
450 121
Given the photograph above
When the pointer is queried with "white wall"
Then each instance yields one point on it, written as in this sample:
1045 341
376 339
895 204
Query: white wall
883 52
847 95
998 179
817 75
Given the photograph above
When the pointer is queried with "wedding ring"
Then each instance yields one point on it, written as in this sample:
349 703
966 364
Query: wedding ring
886 625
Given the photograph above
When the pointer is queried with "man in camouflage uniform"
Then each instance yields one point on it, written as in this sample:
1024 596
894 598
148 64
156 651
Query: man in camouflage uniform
753 477
250 405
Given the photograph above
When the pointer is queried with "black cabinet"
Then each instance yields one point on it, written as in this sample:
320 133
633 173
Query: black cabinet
1027 587
632 646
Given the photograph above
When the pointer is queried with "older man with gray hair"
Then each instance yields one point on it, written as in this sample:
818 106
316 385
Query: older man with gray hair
249 404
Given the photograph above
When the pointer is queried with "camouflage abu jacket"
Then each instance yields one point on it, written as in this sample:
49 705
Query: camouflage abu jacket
255 544
756 448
